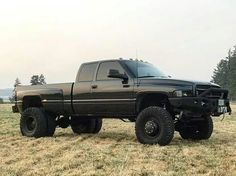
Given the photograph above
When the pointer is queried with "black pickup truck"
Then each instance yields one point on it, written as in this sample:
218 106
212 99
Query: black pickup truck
130 90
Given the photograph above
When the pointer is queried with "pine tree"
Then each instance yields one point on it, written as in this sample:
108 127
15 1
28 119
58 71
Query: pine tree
232 74
225 73
220 74
37 80
17 83
42 79
1 101
234 52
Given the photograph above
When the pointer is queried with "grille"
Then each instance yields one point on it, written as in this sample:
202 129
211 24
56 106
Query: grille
213 94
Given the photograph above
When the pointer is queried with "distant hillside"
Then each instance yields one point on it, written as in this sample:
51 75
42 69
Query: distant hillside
5 93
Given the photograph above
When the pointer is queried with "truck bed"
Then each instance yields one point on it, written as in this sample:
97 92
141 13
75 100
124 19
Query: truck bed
53 96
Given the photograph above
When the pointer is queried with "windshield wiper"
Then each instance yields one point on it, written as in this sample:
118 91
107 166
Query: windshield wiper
146 76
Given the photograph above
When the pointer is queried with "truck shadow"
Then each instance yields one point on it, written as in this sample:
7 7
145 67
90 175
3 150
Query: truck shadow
106 135
131 138
212 142
117 136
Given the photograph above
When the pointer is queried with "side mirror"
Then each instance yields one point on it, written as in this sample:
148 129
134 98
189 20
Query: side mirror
112 73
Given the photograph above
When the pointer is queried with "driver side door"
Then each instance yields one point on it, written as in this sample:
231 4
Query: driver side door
112 96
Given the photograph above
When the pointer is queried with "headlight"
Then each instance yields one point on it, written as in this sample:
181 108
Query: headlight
183 93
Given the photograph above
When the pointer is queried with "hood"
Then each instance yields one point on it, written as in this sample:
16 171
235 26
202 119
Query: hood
174 82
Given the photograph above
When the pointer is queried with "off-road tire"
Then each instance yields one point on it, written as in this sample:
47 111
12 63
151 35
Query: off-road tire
80 126
51 125
98 126
161 118
200 130
184 133
33 123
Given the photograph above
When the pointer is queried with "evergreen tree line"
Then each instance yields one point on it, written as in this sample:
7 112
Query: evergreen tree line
35 80
225 73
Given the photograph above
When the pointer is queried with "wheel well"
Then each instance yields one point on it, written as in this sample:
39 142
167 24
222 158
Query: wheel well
152 99
32 101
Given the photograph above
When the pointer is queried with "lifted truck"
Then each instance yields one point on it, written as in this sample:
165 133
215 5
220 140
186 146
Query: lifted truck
124 89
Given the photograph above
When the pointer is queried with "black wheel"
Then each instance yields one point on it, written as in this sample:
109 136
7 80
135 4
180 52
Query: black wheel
198 130
154 125
63 122
185 133
83 125
98 126
33 123
51 125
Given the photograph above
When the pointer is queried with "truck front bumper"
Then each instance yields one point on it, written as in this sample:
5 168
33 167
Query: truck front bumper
203 104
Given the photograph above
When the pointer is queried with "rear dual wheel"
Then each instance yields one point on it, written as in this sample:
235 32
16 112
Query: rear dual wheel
35 122
80 126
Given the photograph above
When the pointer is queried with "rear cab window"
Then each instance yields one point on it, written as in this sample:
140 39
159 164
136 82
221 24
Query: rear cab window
87 72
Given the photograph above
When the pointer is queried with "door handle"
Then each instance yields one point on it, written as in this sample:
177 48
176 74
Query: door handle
126 85
94 86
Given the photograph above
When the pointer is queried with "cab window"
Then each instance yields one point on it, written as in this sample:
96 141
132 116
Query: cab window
104 69
87 72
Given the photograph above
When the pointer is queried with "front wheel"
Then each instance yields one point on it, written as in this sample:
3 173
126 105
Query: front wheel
154 125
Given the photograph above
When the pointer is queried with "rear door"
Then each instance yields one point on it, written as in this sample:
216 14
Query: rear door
82 88
111 96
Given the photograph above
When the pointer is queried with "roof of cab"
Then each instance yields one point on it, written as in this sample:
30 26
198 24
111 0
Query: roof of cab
110 60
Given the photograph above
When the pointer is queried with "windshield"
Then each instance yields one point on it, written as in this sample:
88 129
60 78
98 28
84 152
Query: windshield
144 69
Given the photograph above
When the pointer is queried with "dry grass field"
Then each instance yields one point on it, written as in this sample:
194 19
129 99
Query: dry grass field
114 151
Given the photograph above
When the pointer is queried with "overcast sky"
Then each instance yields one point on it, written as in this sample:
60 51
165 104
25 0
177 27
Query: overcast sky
184 38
